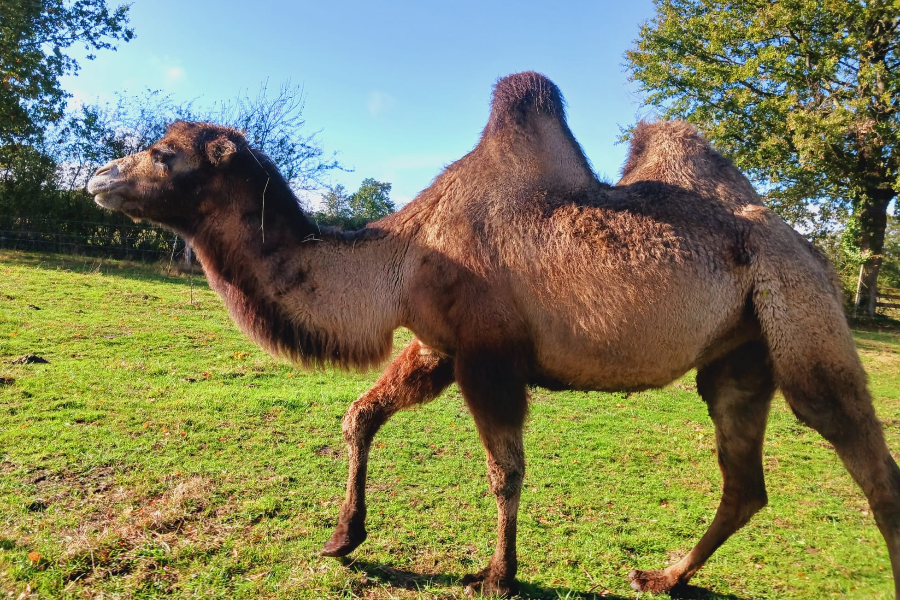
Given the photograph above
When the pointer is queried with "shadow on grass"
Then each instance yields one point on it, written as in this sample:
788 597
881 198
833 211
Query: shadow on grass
410 580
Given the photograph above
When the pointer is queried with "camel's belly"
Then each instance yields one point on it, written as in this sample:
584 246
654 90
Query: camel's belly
634 345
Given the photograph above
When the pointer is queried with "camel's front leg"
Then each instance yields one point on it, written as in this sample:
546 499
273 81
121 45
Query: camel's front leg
506 467
417 375
495 392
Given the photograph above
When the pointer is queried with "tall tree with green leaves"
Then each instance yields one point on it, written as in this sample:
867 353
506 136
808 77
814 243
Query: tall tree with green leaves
371 201
803 96
34 38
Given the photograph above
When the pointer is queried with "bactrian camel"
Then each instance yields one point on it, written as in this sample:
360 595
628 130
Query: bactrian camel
517 267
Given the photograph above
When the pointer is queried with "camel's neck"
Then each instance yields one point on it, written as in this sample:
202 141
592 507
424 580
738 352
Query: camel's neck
315 298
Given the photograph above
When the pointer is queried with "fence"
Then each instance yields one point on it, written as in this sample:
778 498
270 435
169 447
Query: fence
89 238
888 294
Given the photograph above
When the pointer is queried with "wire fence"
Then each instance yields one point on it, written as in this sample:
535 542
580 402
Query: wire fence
90 238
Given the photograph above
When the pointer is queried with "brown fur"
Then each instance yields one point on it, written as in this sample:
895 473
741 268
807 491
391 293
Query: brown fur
517 267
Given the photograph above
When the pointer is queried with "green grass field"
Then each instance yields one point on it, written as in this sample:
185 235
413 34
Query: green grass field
161 454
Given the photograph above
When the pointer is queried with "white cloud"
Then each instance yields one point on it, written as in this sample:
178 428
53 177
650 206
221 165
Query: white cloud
379 102
174 75
168 69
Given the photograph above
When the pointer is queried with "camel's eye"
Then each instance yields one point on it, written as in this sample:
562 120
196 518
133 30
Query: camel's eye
162 158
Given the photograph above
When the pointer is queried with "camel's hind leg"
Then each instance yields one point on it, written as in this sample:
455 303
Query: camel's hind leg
416 376
831 397
738 390
818 369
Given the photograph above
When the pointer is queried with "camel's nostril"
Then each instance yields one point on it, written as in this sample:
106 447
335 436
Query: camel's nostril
110 169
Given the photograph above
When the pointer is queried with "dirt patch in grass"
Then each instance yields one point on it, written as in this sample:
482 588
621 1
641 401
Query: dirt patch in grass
141 540
328 451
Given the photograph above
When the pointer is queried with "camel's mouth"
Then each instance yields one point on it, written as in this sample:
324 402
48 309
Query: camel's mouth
109 200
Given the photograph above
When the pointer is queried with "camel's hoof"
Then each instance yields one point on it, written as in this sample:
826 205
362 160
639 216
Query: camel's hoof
483 584
652 581
343 541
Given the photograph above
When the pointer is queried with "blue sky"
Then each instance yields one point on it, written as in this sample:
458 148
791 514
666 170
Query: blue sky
399 89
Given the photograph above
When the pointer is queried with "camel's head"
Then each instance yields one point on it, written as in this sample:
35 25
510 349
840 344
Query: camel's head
170 183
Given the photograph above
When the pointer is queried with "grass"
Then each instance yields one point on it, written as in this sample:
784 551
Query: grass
160 454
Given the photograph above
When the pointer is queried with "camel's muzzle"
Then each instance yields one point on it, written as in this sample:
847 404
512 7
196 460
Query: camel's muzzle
102 183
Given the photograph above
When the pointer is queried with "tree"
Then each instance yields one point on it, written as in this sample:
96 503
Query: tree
34 35
274 125
335 205
92 134
803 96
371 201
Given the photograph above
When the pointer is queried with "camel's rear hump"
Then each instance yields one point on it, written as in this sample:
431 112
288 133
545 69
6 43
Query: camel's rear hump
674 152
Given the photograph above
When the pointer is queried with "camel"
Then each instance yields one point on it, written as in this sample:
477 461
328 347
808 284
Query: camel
517 267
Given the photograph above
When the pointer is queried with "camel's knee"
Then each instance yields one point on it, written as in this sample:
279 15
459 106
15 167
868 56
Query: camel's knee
363 419
505 478
744 492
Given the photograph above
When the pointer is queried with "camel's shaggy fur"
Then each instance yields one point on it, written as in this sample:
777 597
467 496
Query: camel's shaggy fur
517 267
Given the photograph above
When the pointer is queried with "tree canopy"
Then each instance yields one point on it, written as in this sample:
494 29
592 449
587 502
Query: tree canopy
369 203
34 35
804 97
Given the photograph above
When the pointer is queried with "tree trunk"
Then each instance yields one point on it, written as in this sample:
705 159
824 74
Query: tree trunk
872 225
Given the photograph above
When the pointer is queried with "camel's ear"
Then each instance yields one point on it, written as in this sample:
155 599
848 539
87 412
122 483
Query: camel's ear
220 150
